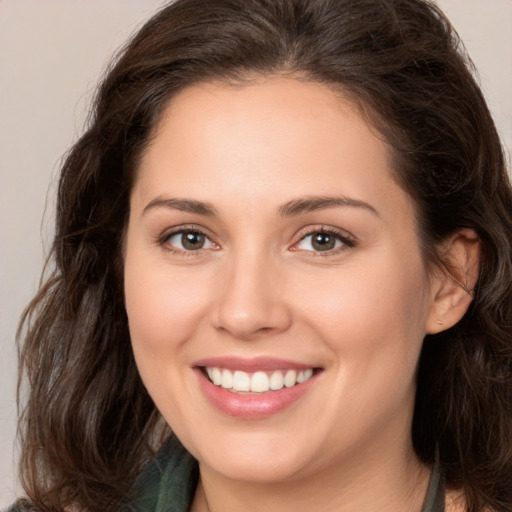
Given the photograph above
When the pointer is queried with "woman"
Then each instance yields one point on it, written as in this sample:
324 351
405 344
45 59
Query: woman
286 238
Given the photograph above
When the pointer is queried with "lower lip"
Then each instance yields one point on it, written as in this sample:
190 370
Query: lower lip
253 405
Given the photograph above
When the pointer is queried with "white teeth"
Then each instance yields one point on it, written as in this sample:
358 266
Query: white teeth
216 376
304 375
227 379
258 382
276 380
241 381
290 378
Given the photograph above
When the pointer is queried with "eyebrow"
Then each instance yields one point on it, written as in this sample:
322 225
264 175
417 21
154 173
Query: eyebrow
184 205
313 203
290 209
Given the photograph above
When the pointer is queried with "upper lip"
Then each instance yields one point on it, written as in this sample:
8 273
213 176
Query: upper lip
252 364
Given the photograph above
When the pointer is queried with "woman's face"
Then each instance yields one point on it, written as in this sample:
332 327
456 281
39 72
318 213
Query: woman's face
269 246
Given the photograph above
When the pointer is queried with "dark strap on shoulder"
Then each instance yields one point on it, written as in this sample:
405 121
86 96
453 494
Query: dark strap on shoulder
434 500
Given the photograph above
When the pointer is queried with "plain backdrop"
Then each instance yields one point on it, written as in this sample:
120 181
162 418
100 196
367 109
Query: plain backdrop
52 53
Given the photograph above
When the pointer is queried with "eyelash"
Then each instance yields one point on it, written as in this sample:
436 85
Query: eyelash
347 241
164 239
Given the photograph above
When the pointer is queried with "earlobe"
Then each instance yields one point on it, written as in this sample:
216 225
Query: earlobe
454 283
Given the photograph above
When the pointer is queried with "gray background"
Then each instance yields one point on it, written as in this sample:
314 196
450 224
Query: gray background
52 53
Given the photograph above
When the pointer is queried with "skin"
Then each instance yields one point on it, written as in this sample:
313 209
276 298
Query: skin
256 288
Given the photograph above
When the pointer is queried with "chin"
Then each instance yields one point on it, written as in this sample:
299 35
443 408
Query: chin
255 458
266 470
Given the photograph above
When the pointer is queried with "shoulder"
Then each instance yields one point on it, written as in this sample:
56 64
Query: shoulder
456 502
21 505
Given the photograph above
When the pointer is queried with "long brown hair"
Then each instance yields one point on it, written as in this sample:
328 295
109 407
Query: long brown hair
87 424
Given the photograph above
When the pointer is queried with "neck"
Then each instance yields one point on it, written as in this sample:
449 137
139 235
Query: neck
386 480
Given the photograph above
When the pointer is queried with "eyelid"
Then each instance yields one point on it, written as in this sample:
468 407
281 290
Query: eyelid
348 240
162 239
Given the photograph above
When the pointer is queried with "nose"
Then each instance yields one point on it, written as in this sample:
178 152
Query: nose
251 300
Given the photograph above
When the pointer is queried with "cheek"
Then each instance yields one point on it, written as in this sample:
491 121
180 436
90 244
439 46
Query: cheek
164 308
372 320
379 306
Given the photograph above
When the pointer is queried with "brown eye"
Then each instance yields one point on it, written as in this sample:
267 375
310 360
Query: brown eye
189 240
192 240
323 241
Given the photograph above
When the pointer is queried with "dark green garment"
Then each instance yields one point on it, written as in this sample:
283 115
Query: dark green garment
168 484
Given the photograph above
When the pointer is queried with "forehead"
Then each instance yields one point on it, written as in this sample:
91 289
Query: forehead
264 141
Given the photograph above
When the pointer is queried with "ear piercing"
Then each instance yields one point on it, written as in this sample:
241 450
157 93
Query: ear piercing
439 322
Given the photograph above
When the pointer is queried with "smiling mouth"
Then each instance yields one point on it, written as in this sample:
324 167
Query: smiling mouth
239 381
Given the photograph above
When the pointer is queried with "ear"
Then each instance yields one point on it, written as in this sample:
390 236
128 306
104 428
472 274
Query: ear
452 285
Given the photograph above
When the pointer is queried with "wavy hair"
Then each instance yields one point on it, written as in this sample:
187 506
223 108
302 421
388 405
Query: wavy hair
87 424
